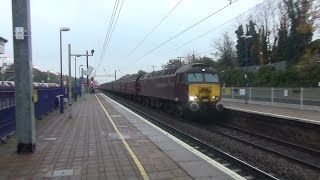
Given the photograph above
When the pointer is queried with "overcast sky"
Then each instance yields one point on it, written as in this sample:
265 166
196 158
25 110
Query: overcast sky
89 20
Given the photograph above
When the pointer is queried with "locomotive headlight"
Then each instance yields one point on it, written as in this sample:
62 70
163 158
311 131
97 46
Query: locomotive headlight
215 98
192 98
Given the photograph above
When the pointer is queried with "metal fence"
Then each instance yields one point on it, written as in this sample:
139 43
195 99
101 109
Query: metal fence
7 113
44 101
303 98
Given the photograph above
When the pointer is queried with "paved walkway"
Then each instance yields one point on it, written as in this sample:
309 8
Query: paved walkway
87 147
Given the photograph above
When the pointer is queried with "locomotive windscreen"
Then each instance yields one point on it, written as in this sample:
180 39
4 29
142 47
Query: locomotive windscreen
202 77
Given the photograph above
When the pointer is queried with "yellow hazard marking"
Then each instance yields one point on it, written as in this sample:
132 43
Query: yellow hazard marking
133 155
35 96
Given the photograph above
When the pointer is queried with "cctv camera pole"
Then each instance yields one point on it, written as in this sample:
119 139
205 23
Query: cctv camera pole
24 110
87 56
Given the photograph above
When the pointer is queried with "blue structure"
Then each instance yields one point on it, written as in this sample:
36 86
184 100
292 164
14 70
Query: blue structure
45 97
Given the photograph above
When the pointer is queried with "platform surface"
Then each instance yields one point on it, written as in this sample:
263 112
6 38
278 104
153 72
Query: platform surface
304 115
104 140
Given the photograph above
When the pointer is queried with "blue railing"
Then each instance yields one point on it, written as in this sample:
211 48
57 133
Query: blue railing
44 101
7 113
47 100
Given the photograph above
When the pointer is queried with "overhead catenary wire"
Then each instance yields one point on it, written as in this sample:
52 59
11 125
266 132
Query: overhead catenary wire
216 28
203 52
115 6
112 25
185 30
154 28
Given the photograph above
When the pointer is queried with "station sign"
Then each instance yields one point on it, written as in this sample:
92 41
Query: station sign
242 92
19 33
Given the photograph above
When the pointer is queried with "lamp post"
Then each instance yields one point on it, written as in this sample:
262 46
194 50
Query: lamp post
61 29
75 77
180 60
245 75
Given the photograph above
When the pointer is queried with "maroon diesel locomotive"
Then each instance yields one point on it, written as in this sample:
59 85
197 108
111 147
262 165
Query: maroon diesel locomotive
193 87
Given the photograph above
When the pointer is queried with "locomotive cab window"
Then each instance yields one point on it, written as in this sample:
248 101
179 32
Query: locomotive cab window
210 77
202 77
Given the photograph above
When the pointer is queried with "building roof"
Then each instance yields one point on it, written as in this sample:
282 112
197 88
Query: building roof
3 39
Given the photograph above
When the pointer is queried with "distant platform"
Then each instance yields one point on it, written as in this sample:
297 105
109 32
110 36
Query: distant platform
290 113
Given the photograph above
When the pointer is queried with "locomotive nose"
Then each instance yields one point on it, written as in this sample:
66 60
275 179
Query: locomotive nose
204 93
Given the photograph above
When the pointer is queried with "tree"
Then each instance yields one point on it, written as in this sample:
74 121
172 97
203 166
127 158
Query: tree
240 47
264 16
307 69
280 51
173 63
301 27
141 72
226 51
264 45
253 44
208 61
190 57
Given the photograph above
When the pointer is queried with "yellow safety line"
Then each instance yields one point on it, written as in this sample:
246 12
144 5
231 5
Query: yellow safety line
133 155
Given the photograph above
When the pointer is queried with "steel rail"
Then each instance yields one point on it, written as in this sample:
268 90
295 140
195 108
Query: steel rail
203 147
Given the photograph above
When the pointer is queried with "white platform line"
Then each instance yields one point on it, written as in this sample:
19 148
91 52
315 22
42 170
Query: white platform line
126 144
276 115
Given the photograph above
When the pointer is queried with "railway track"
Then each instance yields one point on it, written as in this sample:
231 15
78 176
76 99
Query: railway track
242 168
301 155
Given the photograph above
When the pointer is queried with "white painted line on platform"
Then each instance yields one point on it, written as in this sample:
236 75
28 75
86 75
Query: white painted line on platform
50 139
186 146
122 137
276 115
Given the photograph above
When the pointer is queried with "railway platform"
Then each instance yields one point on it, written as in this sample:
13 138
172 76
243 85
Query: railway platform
304 115
104 140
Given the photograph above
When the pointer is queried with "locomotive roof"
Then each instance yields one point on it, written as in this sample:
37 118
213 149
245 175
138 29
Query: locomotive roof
196 67
165 72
